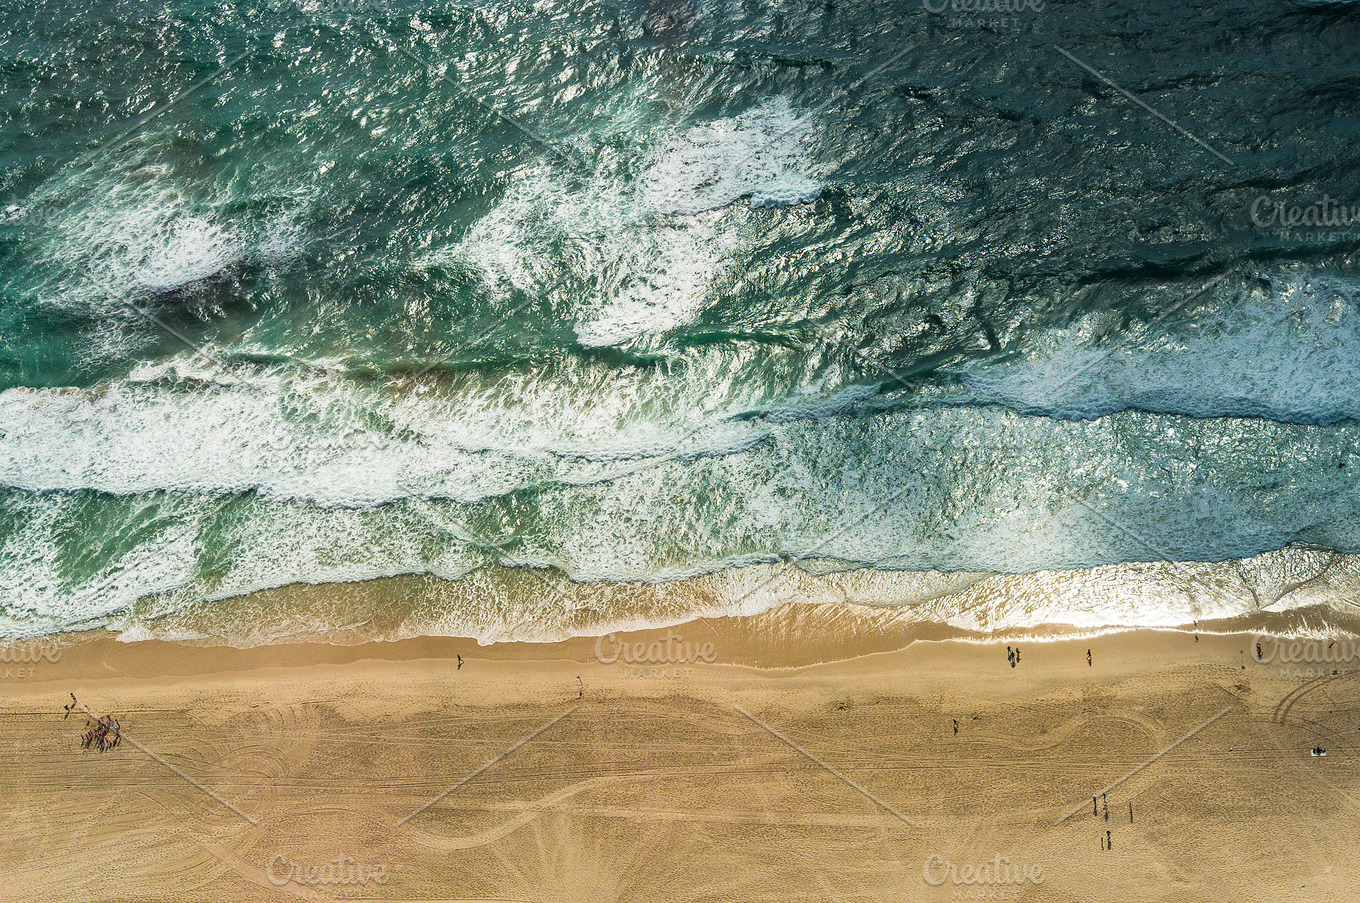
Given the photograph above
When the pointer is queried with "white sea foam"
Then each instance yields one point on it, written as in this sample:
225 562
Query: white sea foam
190 249
169 566
37 596
762 154
108 240
1290 352
634 476
317 436
793 494
638 259
129 239
644 475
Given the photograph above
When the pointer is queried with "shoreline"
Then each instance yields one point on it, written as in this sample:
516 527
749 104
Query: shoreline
1309 590
792 634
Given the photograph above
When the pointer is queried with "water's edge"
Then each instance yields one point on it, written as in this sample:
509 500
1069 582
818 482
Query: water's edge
1301 591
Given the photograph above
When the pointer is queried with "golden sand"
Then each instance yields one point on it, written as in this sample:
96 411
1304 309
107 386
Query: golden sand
793 756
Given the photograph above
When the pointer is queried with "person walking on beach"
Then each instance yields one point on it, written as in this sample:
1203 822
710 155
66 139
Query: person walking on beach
956 727
1109 842
1130 813
581 687
1105 807
1258 652
1093 807
460 662
1088 658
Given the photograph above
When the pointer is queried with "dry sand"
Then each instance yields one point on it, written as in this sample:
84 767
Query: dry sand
811 760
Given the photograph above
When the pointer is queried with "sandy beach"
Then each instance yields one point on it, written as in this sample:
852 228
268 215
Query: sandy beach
973 387
557 772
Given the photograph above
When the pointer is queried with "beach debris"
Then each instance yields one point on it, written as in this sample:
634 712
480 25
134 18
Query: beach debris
68 709
103 733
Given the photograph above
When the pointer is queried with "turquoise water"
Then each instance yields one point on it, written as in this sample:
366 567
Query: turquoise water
300 293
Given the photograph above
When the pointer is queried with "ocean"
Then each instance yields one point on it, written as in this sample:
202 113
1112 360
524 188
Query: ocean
518 320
